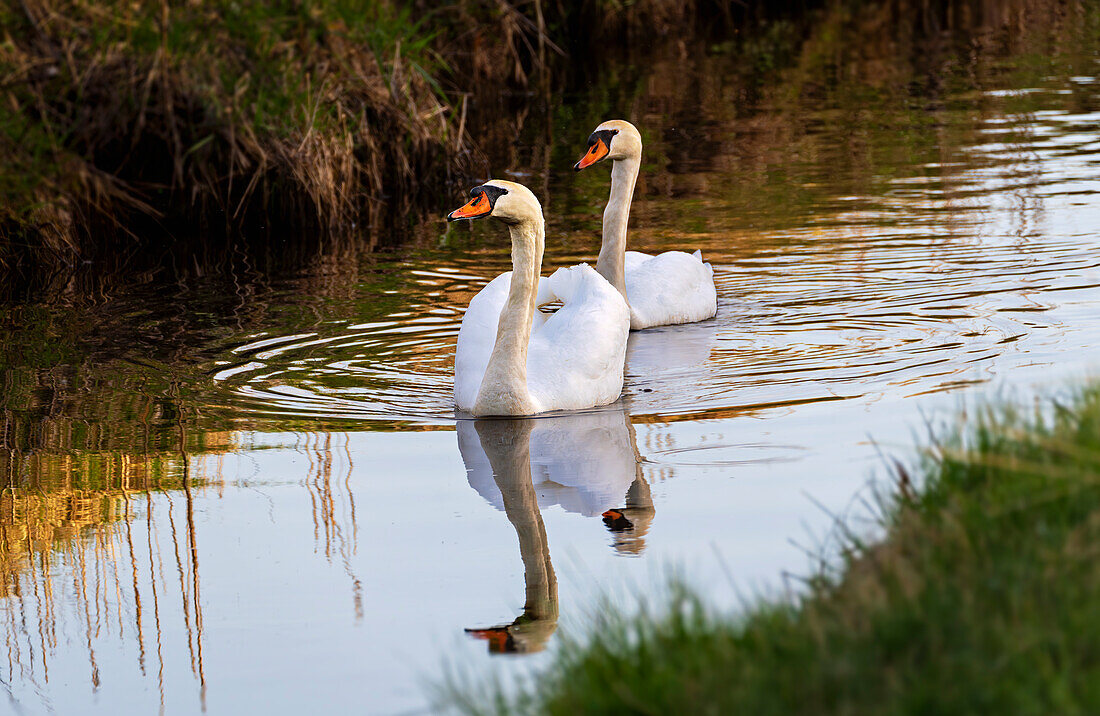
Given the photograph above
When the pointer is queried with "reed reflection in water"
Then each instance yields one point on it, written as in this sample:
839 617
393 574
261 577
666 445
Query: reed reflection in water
82 565
586 463
99 553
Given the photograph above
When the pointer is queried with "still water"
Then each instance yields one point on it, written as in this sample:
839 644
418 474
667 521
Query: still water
253 496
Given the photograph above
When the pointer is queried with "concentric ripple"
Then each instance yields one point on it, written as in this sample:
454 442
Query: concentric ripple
925 284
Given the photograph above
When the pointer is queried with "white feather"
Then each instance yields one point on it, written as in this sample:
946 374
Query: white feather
575 356
669 288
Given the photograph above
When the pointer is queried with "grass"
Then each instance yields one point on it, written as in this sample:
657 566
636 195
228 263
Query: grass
122 121
981 598
132 118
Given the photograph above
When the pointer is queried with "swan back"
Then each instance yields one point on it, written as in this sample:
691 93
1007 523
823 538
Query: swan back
670 288
576 357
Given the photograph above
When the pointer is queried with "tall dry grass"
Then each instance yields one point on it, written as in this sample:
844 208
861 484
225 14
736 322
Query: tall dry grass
127 120
129 127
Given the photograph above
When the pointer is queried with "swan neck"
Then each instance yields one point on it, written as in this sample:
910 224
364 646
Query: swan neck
611 263
504 387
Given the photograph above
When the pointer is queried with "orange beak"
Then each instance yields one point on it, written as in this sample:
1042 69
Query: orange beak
595 153
477 207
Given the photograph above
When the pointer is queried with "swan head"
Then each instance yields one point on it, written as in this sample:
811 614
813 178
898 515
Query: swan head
615 139
507 201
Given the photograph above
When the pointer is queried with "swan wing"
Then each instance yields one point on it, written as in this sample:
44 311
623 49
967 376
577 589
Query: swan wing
634 259
669 288
575 359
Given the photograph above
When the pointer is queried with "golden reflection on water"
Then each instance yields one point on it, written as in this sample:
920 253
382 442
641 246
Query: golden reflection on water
105 545
68 553
332 502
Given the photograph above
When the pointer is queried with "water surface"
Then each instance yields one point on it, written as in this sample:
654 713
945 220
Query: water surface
252 494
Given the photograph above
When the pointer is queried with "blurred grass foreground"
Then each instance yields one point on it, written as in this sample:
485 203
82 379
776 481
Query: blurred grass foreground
980 598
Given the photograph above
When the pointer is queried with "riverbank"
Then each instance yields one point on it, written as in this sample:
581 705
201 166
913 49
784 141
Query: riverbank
980 598
125 125
141 136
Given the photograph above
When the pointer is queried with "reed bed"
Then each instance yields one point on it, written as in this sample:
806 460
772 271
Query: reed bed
126 124
126 120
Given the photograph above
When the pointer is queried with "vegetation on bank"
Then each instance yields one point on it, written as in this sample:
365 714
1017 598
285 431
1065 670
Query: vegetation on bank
980 598
124 120
127 129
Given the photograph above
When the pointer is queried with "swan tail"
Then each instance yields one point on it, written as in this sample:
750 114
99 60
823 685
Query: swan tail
709 269
563 284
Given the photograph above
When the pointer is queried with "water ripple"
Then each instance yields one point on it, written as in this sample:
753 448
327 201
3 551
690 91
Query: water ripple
916 289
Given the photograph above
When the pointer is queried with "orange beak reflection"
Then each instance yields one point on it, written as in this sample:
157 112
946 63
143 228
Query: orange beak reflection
477 207
595 153
500 641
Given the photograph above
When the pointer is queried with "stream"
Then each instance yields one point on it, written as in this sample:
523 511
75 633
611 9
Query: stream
251 494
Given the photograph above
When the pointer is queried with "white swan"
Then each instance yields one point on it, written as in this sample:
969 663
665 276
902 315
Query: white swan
670 288
514 360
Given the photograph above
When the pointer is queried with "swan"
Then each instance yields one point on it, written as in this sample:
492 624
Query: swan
514 360
666 289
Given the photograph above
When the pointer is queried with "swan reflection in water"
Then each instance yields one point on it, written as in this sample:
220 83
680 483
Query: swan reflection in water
587 463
